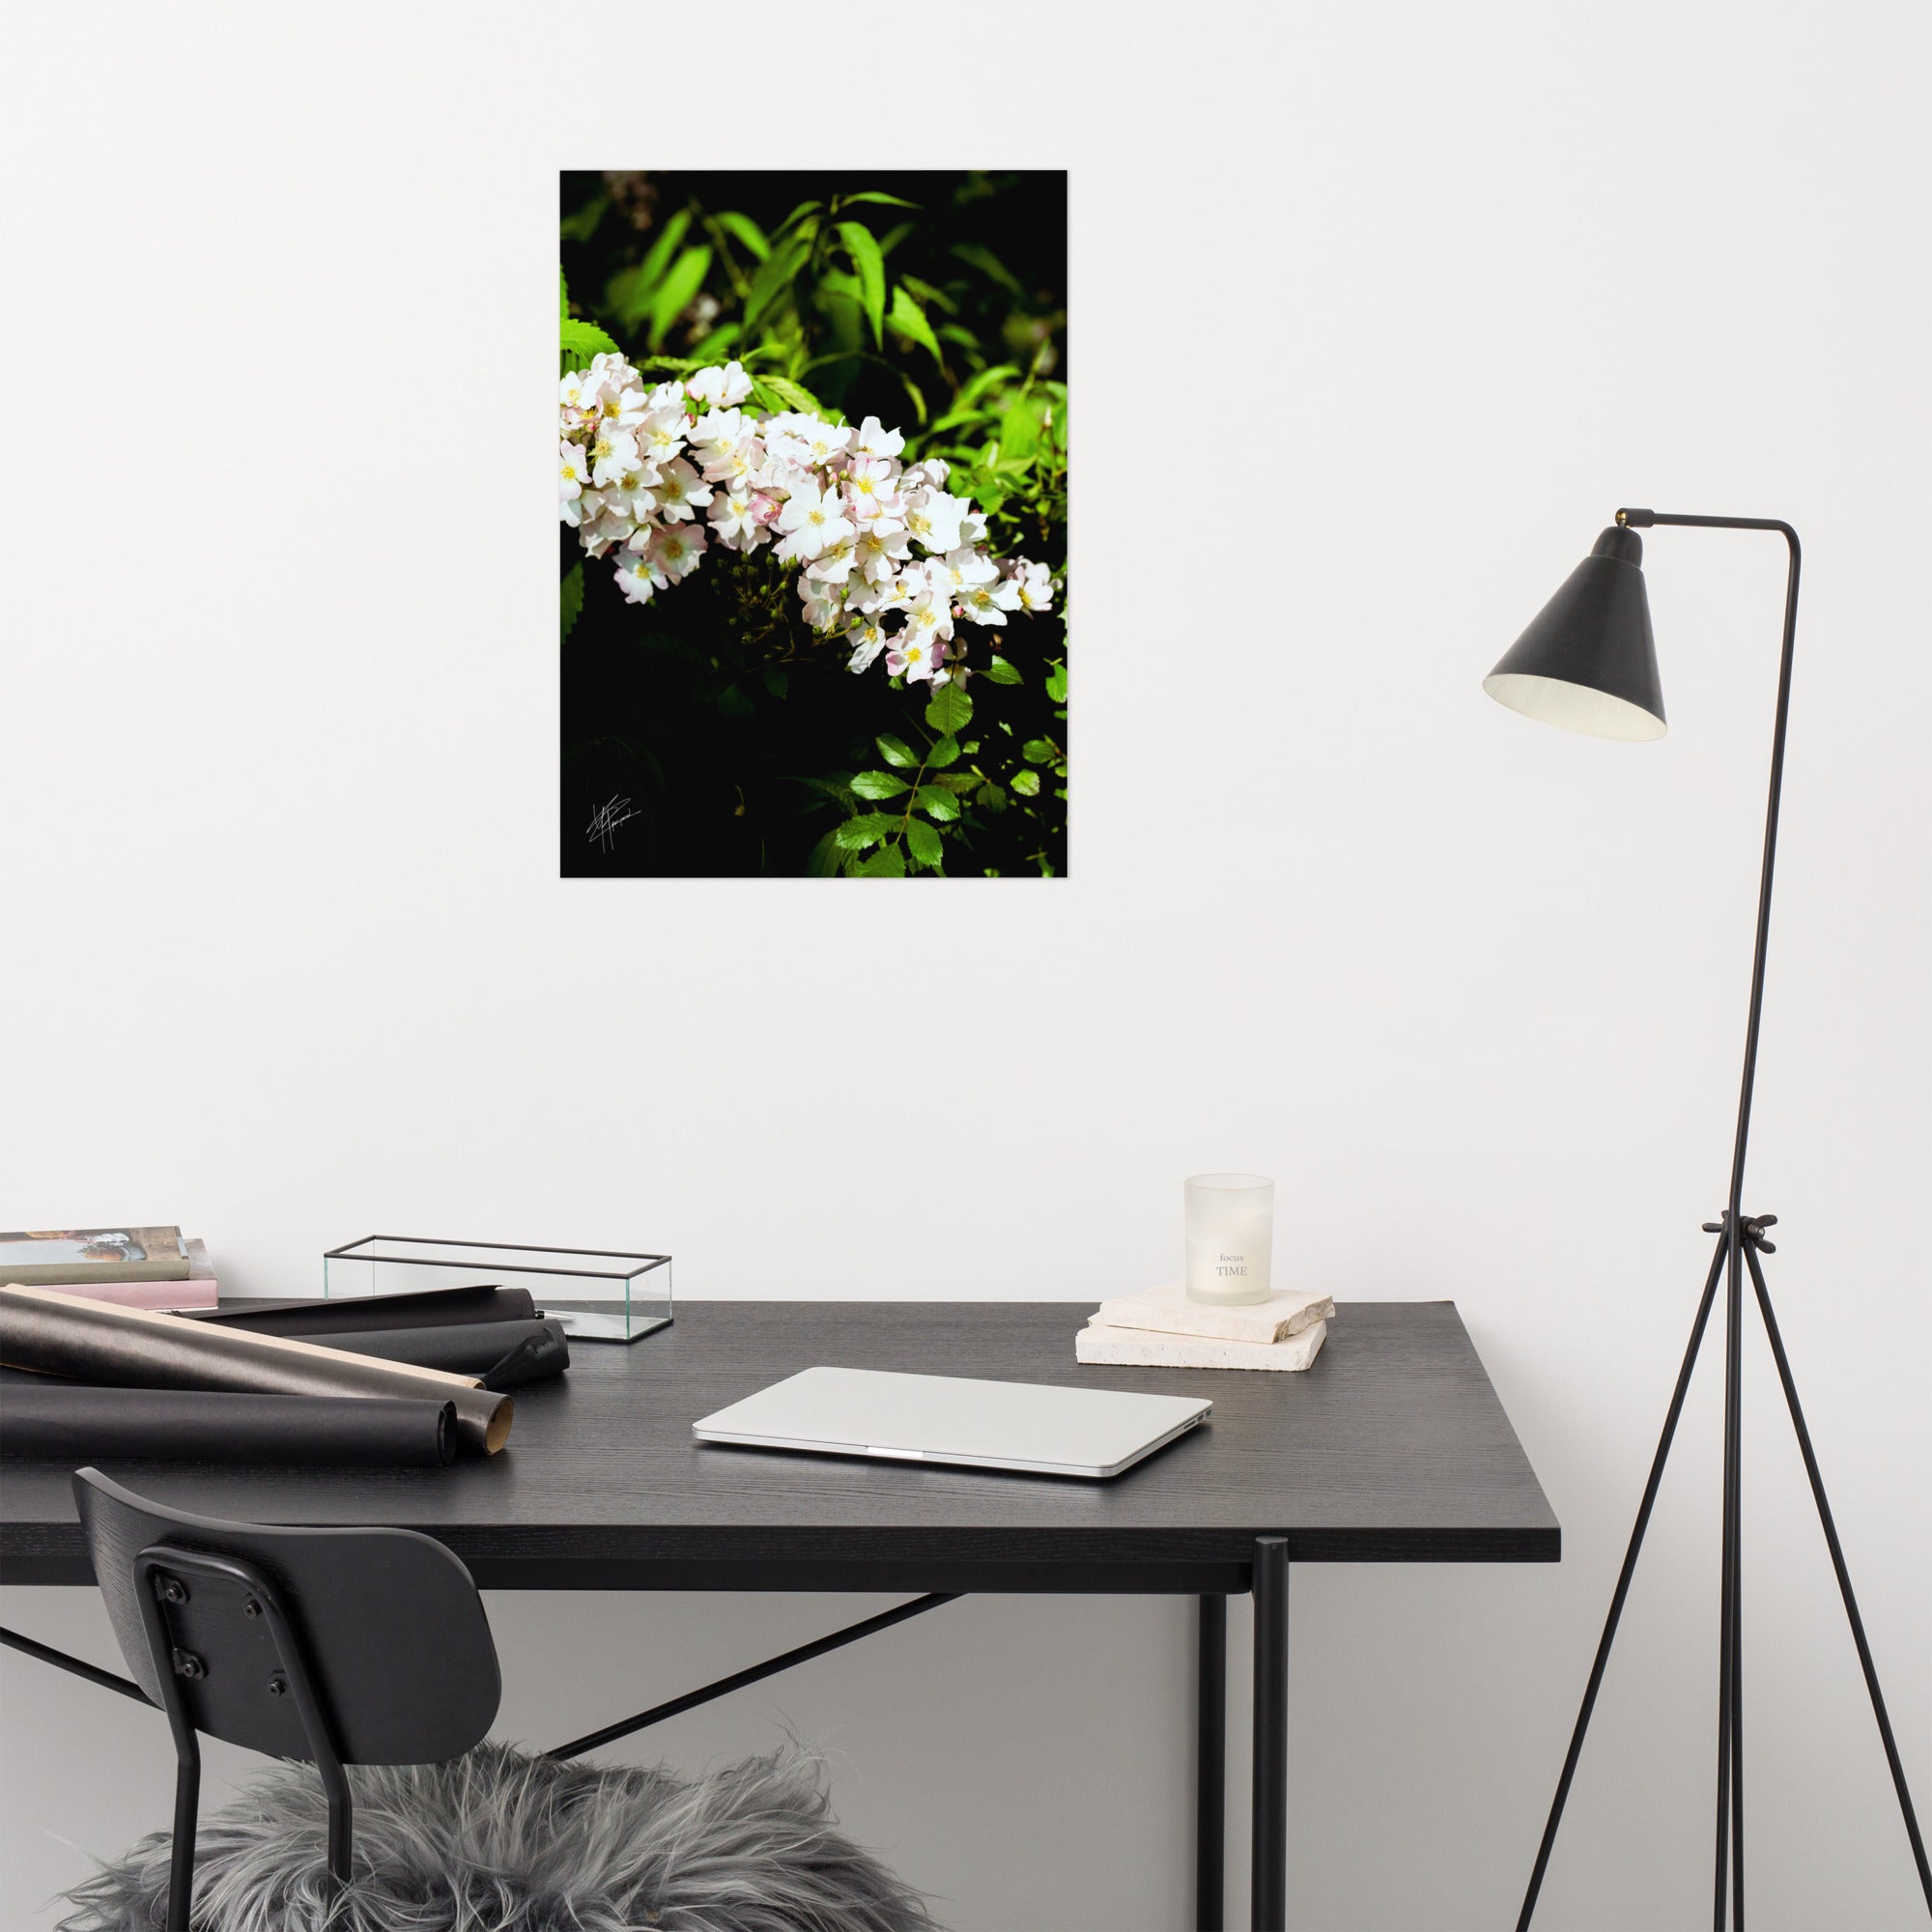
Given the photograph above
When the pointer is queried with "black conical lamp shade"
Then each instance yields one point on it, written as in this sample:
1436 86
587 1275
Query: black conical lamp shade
1588 662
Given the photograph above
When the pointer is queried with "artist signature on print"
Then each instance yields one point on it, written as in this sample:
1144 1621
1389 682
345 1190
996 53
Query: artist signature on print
606 818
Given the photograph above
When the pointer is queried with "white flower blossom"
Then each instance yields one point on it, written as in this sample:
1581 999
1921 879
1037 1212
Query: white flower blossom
804 441
989 602
933 517
679 493
821 604
577 393
612 453
675 550
961 570
875 439
735 520
720 389
660 432
637 577
868 639
915 655
868 488
832 564
881 547
813 519
928 617
1035 584
573 477
870 539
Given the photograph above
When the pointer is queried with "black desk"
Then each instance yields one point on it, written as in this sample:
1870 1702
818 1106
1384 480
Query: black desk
1391 1448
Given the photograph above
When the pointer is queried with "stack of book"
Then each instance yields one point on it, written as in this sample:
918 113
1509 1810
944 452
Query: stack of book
1162 1328
131 1267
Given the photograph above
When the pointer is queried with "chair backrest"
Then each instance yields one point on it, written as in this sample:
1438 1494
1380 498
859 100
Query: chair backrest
390 1630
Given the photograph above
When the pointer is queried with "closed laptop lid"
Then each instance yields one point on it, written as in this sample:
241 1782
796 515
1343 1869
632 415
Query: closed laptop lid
954 1419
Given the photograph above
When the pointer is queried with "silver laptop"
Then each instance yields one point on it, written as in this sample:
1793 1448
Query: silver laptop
1045 1432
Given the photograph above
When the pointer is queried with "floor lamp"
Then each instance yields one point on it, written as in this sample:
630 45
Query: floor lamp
1588 663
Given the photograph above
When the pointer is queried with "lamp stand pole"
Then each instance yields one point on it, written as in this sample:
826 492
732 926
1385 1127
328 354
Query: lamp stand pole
1740 1240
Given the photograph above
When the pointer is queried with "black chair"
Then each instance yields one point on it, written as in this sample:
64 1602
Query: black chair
330 1646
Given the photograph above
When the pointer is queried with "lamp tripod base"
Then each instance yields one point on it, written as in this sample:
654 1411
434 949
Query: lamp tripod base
1741 1240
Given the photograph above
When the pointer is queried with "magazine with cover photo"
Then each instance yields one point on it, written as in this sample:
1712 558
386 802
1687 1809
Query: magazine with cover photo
52 1256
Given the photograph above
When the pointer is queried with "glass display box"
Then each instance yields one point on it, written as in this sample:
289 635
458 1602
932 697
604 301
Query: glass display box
598 1296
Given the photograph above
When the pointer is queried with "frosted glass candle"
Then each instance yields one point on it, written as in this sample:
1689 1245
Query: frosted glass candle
1230 1236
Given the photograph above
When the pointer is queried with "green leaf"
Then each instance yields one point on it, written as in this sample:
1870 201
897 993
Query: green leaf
939 802
798 213
775 273
664 248
896 752
563 296
887 862
748 232
733 702
923 841
1038 752
1056 684
1019 432
675 292
912 389
878 784
932 298
959 782
833 787
628 293
872 194
985 380
1000 671
583 225
909 320
1027 784
855 834
823 861
581 340
776 681
988 263
864 249
992 798
793 395
573 596
943 753
714 345
951 710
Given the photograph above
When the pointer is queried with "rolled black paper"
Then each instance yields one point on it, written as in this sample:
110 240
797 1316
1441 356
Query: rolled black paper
525 1363
364 1314
69 1423
138 1347
465 1348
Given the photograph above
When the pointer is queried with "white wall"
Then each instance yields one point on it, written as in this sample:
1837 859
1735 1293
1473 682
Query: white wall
1378 314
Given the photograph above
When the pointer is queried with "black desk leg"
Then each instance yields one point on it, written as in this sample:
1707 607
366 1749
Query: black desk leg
1210 1766
1269 1893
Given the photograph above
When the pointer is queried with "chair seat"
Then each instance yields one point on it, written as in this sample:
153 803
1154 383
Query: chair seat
499 1841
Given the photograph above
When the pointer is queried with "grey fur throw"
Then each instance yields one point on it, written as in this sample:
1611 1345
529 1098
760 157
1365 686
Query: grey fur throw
496 1841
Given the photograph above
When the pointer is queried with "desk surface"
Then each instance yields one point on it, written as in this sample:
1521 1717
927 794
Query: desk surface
1392 1447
